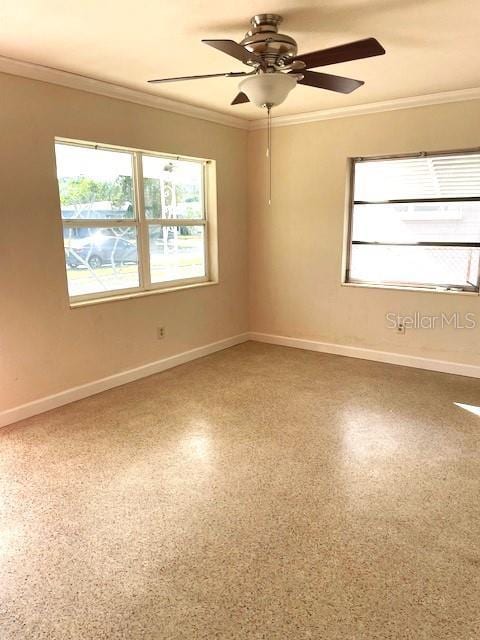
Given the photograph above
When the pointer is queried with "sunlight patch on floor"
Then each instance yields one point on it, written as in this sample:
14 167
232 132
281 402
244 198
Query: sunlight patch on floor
469 407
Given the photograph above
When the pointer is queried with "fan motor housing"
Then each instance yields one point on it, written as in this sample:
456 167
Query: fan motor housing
276 49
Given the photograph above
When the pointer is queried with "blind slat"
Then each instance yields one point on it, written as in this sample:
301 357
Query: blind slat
432 176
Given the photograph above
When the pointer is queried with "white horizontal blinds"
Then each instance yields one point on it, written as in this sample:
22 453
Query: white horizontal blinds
414 222
430 266
418 178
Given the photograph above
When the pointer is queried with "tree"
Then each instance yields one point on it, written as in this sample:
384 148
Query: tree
153 201
82 191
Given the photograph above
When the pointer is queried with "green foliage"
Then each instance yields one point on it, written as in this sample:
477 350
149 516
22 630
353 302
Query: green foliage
187 193
85 191
153 206
78 191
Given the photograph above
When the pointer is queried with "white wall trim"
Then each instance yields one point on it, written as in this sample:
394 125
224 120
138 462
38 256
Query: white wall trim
445 97
103 88
123 377
443 366
111 90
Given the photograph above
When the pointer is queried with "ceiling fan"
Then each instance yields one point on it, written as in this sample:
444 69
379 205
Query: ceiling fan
276 67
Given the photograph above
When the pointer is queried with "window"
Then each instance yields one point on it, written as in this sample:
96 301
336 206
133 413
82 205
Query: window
132 221
415 222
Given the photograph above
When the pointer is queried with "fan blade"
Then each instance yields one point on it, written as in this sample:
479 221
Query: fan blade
231 74
231 48
330 82
240 98
343 53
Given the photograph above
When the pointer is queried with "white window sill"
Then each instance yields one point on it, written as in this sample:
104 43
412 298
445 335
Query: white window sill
360 285
140 294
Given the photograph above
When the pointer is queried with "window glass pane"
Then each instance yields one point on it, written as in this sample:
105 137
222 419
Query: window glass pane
417 222
440 266
94 183
100 259
176 253
442 176
172 188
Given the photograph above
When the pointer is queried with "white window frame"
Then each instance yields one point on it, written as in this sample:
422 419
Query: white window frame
347 280
142 224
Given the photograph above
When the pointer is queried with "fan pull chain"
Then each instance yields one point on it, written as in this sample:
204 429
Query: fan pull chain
269 153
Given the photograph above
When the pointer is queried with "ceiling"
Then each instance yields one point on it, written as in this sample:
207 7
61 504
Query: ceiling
432 45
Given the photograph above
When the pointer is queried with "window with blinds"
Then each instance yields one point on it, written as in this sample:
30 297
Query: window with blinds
415 222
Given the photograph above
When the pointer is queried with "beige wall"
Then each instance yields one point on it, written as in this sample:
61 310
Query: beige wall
296 245
46 347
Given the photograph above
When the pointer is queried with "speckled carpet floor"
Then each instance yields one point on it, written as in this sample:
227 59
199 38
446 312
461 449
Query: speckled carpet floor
261 492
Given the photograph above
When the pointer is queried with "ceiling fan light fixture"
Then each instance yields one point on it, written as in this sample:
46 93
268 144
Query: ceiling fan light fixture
268 89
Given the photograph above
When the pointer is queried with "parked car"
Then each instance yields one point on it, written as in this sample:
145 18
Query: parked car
100 250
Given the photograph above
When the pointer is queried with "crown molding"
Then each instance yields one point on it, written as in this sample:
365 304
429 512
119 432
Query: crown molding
103 88
119 92
461 95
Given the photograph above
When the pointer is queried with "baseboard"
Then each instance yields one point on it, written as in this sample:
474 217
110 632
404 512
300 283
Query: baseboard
443 366
123 377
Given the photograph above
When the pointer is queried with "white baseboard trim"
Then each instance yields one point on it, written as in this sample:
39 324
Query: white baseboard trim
443 366
123 377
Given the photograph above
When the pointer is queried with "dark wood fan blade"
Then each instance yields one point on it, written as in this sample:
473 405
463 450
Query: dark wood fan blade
240 98
231 74
343 53
330 82
231 48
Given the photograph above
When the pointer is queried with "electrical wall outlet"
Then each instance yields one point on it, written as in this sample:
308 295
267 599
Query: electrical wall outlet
160 333
401 329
